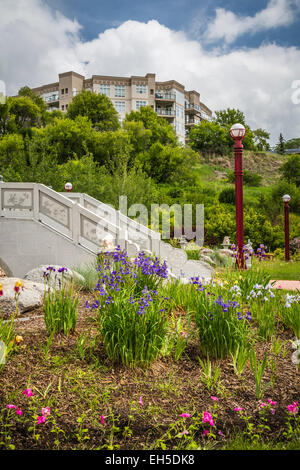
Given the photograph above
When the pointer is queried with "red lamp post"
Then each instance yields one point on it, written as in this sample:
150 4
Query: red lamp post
68 187
238 132
286 199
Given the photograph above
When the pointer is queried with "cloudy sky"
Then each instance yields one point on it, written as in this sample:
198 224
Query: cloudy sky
241 54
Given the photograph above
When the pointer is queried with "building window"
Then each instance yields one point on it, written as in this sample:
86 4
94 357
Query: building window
105 90
139 104
141 89
120 91
179 112
66 91
151 91
120 106
62 91
67 106
63 107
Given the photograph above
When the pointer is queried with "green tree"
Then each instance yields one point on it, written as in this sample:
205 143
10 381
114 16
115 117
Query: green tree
161 130
280 147
98 109
67 138
291 169
261 138
208 138
226 118
12 152
27 113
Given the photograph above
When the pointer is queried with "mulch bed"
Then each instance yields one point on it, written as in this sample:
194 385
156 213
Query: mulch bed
168 388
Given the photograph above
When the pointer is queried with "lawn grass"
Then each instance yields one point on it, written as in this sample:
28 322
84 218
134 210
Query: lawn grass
280 269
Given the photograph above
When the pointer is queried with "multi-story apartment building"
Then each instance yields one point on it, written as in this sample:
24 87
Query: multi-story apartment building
169 99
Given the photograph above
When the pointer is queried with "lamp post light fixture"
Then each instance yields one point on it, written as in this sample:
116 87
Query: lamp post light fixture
68 187
238 132
286 199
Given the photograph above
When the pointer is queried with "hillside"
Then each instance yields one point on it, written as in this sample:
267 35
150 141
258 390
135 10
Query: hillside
266 164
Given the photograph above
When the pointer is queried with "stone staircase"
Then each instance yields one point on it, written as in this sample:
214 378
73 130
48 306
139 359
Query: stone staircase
41 226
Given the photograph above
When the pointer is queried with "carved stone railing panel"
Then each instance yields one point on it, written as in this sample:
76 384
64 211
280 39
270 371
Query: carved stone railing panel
17 199
54 209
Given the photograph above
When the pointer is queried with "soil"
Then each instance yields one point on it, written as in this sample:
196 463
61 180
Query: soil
75 386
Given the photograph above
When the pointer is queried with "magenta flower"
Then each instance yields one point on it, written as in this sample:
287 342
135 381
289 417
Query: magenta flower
272 411
19 412
220 433
28 392
215 398
46 411
141 401
102 419
238 408
41 419
293 408
185 415
10 407
273 403
262 405
205 432
207 418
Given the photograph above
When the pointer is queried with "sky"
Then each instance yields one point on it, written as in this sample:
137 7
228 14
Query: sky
238 54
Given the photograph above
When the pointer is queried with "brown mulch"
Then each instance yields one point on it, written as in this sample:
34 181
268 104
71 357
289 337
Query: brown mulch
168 388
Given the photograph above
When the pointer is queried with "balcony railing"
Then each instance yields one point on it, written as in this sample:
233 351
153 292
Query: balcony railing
191 106
165 96
165 112
50 99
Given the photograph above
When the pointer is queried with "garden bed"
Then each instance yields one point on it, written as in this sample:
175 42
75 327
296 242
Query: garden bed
96 403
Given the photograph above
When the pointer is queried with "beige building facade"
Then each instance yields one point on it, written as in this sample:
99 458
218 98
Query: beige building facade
181 108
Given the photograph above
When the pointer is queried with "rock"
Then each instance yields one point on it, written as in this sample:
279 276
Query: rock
295 243
226 252
37 275
206 251
207 259
30 297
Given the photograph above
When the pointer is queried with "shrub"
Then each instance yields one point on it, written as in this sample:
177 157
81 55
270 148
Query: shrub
227 196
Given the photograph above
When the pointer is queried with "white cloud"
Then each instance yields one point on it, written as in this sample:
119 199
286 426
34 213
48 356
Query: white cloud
39 44
229 26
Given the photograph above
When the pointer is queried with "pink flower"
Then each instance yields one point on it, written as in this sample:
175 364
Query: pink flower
28 392
185 432
184 334
10 407
205 432
46 411
19 412
262 405
272 411
185 415
102 419
238 408
141 401
207 418
41 419
273 403
215 398
293 409
220 433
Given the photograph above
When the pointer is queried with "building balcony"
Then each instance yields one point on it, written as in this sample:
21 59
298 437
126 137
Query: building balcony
159 96
165 112
51 99
192 109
